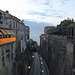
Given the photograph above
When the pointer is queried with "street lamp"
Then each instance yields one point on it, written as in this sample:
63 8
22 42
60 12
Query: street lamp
32 45
41 63
40 58
42 70
33 56
28 67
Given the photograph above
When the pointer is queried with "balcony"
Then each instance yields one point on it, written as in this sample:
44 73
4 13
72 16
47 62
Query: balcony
7 40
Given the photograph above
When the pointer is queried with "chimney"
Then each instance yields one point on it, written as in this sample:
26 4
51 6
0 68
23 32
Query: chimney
7 11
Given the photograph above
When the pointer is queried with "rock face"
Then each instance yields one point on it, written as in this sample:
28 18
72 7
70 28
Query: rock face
57 51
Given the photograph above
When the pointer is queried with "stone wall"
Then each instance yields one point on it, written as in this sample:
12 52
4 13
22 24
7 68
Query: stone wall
58 54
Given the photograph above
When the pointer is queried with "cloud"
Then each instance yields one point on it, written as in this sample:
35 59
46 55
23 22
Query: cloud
40 10
64 1
39 1
37 13
43 8
59 16
46 3
51 13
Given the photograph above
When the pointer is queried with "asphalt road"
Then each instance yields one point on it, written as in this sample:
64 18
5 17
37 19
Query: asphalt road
35 70
39 66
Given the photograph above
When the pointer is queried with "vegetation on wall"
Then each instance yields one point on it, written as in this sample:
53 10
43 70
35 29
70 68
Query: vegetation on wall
71 26
61 28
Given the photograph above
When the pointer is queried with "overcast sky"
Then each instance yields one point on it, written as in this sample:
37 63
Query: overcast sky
45 11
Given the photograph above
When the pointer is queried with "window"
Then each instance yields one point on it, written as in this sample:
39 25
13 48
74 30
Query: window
14 24
2 50
3 62
1 17
8 22
11 56
11 47
8 49
8 58
28 37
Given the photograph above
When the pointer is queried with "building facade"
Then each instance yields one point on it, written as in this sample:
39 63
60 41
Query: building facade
7 50
48 28
12 40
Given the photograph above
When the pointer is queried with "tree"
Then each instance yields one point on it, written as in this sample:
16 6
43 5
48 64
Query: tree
61 28
65 23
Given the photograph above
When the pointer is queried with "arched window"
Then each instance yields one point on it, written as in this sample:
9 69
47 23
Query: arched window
8 58
12 56
3 62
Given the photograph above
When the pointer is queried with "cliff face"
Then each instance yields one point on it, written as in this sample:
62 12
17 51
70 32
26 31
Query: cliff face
58 54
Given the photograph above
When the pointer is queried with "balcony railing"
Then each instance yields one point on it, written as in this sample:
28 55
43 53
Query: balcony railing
7 40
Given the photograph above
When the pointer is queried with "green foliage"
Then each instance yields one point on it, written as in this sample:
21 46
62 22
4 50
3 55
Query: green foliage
61 28
71 25
65 23
52 31
33 42
19 56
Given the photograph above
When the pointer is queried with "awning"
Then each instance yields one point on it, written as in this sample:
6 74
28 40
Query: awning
3 31
0 33
8 32
12 32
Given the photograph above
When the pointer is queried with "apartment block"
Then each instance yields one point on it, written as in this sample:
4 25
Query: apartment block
12 40
7 50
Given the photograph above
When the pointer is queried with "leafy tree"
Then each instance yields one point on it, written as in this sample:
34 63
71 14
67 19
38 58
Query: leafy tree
65 23
71 25
61 28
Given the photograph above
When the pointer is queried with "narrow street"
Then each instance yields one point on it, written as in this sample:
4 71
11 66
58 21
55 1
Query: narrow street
39 66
